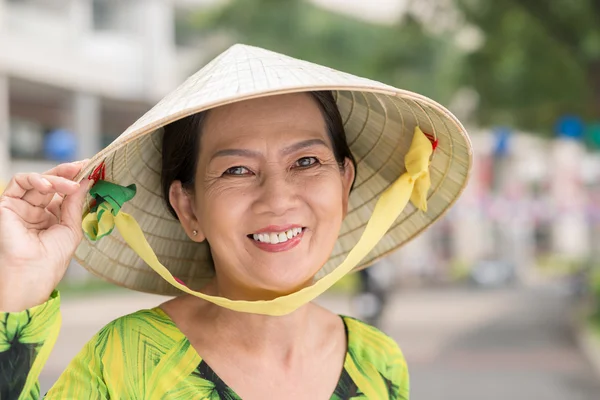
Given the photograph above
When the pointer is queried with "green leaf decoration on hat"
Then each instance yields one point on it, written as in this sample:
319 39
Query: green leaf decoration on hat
109 198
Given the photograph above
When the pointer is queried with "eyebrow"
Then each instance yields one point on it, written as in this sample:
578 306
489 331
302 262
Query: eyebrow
255 154
303 145
235 152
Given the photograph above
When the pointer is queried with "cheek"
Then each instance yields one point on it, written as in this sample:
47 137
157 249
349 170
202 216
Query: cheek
325 196
221 210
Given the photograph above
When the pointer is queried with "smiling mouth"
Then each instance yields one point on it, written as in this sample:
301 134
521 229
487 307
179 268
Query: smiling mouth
276 237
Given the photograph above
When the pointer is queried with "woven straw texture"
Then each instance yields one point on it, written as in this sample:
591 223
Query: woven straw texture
379 122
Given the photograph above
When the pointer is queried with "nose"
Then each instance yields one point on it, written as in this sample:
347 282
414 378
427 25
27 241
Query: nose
278 194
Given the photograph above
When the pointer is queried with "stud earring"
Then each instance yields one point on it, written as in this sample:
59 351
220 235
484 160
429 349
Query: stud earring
194 232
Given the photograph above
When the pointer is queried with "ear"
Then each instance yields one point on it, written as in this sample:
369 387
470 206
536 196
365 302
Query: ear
183 204
347 179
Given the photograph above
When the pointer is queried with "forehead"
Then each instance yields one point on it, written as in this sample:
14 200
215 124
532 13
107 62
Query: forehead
288 113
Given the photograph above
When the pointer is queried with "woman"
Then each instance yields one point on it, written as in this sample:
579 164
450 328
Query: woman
255 158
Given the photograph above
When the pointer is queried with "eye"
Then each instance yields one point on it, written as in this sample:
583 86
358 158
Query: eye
238 170
306 162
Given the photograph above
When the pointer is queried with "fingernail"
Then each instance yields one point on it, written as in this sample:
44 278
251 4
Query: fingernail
46 182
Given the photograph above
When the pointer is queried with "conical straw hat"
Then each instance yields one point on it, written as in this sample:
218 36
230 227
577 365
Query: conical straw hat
379 121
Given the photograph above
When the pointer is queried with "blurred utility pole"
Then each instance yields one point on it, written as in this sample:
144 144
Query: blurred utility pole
501 164
81 17
158 32
4 129
85 109
570 228
4 115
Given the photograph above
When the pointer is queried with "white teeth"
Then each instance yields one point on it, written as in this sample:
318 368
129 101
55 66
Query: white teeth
277 237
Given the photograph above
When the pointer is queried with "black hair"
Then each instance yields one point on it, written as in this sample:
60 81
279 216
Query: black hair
181 144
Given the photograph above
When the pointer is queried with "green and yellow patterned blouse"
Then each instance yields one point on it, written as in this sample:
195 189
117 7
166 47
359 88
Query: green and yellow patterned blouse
145 356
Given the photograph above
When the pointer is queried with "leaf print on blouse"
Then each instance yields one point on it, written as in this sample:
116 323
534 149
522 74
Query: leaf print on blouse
346 389
366 376
393 389
17 353
213 387
375 363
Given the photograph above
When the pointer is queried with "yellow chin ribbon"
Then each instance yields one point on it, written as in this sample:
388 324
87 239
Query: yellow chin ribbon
412 186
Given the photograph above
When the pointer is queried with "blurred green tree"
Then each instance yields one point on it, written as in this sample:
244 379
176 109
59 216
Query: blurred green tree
539 60
403 55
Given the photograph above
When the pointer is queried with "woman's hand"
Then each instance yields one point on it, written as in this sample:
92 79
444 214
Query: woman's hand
40 229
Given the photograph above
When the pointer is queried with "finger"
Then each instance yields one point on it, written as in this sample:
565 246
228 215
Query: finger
55 204
41 192
62 185
31 217
72 207
18 185
40 195
67 170
68 230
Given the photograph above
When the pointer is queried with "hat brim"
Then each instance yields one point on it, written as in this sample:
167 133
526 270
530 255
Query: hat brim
379 121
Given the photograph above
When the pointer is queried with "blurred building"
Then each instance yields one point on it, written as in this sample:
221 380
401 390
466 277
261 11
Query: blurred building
381 11
74 74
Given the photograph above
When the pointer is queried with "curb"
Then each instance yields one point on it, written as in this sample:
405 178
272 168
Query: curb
589 343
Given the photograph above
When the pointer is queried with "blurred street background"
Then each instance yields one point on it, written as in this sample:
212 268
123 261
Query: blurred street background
499 300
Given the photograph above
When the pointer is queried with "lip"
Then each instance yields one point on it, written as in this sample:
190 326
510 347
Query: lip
279 247
277 228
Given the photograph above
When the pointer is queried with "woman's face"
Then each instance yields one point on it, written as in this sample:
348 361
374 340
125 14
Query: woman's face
269 194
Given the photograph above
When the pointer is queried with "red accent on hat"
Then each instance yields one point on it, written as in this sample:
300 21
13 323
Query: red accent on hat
434 141
179 281
99 173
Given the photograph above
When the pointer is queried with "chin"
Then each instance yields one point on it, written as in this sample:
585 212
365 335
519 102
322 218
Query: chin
286 283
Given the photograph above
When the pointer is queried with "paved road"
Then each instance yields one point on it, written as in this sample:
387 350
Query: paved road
493 346
460 344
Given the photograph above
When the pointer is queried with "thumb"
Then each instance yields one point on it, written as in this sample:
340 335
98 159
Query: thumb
72 207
